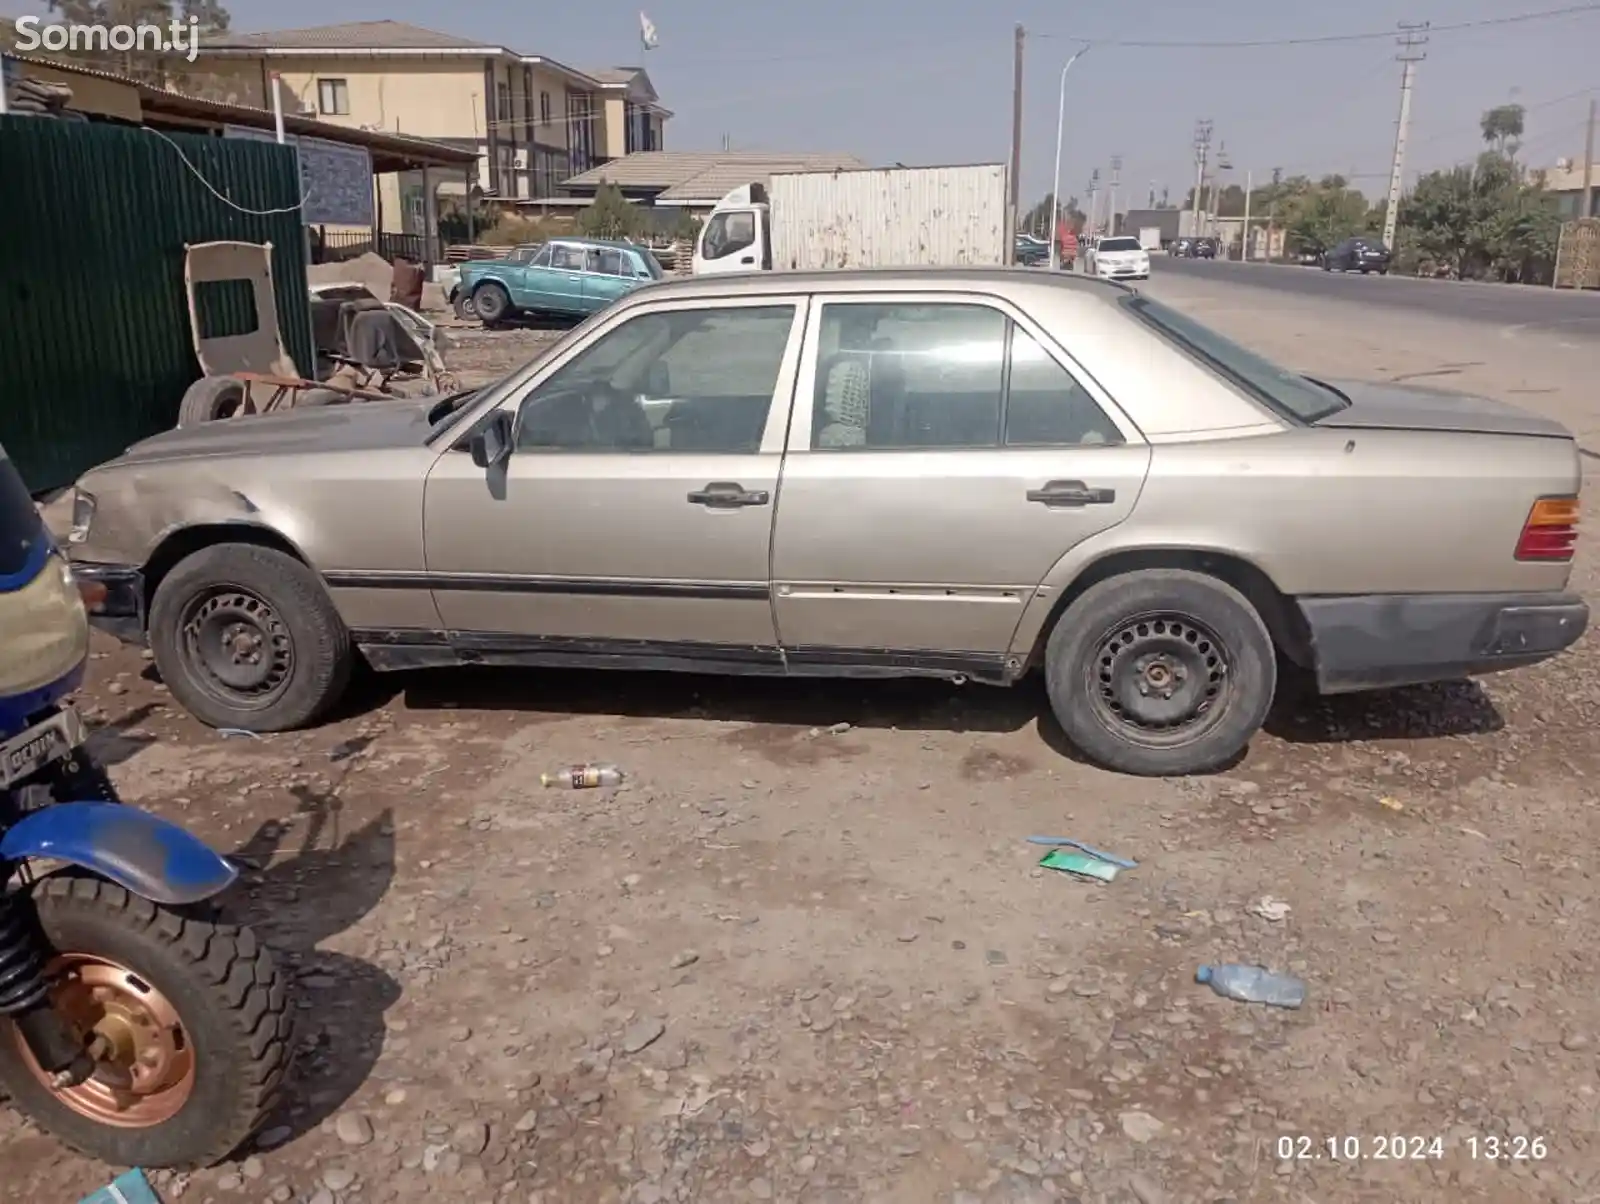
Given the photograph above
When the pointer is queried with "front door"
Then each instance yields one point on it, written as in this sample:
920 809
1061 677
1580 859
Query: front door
634 515
941 461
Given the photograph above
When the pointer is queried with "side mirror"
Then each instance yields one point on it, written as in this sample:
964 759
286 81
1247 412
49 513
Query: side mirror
491 442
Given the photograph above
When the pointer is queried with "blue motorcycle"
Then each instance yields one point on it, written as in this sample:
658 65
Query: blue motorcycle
135 1023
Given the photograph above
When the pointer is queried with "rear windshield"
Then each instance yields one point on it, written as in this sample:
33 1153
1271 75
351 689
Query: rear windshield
1120 244
21 529
657 272
1285 393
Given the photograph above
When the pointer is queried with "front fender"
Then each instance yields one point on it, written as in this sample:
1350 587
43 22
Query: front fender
140 852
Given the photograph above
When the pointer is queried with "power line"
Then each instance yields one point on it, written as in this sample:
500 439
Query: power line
1570 10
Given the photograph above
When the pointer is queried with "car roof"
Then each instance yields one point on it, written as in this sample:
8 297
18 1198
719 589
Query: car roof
578 240
1010 282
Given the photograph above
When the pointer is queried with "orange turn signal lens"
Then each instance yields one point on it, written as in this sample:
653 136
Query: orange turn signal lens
1554 512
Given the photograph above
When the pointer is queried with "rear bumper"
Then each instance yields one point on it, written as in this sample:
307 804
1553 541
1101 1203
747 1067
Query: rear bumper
1374 641
121 611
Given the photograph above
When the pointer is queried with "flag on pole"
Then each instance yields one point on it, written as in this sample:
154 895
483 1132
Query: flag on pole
647 33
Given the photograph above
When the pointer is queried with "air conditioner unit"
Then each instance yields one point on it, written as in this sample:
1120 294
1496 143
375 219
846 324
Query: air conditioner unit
520 160
1563 164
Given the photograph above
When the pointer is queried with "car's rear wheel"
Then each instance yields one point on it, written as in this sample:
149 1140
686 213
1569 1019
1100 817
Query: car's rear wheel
1161 672
246 637
492 303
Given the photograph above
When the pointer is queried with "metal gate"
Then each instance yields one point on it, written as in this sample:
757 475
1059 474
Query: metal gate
95 347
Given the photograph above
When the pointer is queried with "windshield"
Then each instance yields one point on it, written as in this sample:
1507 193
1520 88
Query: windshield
525 253
1286 393
1120 244
21 529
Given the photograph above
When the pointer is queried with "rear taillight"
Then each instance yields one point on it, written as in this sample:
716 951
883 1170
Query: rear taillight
1551 532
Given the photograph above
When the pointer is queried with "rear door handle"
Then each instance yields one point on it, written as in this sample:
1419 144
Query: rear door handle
1071 493
728 495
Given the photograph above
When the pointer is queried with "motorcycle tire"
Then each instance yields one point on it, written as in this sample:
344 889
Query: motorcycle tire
203 1012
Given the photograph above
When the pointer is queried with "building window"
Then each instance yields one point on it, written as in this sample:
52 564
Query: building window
544 110
581 137
333 97
502 101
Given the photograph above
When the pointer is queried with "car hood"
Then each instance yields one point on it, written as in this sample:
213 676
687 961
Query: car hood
1409 408
354 426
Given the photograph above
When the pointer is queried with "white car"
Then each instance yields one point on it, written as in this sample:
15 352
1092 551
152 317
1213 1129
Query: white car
1119 259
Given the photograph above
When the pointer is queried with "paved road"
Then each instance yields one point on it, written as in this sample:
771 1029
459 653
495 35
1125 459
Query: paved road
1565 314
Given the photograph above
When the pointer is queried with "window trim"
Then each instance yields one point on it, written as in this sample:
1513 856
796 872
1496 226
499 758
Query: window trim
784 396
806 387
335 84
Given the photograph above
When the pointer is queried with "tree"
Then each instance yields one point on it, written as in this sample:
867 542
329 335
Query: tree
1502 128
1316 217
1037 220
1483 220
610 215
686 228
161 70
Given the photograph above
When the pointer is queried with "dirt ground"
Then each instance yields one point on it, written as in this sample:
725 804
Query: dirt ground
806 954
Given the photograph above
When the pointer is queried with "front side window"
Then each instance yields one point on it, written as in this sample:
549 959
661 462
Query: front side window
727 233
567 259
687 381
1286 393
333 97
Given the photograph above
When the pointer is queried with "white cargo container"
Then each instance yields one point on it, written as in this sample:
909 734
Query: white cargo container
873 217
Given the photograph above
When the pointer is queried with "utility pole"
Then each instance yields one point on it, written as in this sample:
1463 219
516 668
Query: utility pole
1016 147
1244 231
1094 201
1116 180
1202 149
1413 37
1586 204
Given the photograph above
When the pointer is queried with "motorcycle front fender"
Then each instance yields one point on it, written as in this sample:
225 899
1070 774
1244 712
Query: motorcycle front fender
143 853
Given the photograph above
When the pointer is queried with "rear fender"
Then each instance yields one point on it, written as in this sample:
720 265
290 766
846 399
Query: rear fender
149 856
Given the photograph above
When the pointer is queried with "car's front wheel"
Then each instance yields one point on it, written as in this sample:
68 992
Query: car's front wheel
1161 672
246 637
492 303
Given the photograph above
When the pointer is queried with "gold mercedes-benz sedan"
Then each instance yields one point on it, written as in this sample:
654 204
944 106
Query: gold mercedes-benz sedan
964 473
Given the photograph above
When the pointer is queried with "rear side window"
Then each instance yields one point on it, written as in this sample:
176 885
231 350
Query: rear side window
904 377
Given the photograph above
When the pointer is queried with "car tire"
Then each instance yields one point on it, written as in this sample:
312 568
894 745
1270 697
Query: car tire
210 399
491 303
1213 653
461 305
246 637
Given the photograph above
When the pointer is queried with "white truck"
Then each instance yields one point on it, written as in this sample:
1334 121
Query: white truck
1150 237
869 217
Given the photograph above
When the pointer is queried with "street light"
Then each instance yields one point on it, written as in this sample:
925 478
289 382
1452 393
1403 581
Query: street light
1055 185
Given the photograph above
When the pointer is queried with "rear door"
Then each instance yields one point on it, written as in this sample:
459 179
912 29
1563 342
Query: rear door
942 457
608 274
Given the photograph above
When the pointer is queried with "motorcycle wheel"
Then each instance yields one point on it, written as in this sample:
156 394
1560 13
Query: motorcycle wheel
189 1022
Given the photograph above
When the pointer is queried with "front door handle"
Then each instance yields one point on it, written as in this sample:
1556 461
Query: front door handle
728 495
1071 493
748 259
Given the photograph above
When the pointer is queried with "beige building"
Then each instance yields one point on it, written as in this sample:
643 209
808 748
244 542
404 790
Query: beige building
533 122
1564 182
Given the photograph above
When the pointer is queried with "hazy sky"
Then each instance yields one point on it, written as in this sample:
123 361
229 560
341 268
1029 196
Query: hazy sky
931 82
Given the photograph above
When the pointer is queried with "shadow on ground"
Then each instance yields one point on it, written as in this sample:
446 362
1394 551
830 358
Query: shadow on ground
299 899
1413 713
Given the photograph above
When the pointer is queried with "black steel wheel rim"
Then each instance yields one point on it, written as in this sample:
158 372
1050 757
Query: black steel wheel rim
1160 680
236 647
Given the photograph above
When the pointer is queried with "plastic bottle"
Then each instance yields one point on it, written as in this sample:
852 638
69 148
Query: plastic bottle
1253 984
583 777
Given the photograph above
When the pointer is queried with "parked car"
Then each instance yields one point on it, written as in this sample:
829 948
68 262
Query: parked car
564 278
1119 259
1358 255
448 277
1194 248
1031 252
971 474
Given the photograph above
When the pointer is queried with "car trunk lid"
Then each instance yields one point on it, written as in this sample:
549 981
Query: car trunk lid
1408 408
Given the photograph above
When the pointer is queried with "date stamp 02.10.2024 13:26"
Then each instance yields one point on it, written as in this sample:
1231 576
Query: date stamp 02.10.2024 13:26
1395 1147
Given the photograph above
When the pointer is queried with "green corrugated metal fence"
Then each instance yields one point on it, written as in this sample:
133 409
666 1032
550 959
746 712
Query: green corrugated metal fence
95 349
